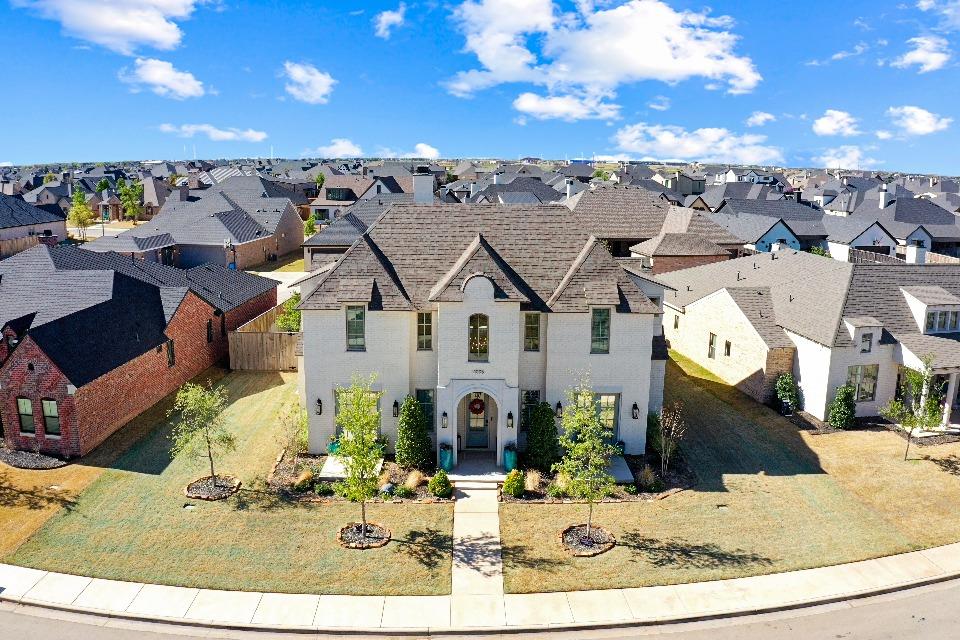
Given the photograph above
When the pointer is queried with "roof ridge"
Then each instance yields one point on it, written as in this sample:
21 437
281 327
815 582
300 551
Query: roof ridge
574 268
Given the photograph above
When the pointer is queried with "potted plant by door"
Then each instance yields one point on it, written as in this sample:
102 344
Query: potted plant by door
510 457
446 457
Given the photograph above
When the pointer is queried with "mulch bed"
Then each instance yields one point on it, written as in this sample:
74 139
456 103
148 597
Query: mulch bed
284 476
30 460
575 541
212 488
679 478
808 422
351 536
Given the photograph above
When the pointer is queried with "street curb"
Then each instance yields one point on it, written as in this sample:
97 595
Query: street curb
475 631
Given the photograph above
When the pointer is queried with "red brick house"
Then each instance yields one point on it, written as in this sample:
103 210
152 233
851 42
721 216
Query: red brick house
68 380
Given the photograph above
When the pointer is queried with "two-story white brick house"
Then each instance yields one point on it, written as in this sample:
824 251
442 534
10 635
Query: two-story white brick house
480 312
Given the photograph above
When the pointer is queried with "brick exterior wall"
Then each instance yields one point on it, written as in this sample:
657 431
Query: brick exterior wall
752 366
93 412
666 264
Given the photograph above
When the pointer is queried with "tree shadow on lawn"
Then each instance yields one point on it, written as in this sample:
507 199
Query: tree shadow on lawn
523 556
258 495
949 464
729 433
682 554
34 498
428 547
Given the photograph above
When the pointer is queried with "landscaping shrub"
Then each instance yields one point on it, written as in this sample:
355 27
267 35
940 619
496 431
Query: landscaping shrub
819 251
787 391
542 440
653 431
289 318
414 479
323 488
304 481
631 489
310 227
556 491
843 409
413 440
649 481
440 485
531 481
513 485
404 491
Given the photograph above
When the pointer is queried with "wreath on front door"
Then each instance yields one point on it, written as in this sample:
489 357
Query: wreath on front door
476 406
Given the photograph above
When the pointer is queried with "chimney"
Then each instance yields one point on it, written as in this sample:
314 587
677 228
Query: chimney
916 254
844 180
569 187
183 193
423 188
495 177
933 182
473 188
884 198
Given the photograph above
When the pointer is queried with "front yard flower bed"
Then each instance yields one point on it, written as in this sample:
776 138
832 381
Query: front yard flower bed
351 536
575 540
397 484
546 488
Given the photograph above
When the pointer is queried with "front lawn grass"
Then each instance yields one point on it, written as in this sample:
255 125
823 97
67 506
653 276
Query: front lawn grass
770 498
292 262
131 524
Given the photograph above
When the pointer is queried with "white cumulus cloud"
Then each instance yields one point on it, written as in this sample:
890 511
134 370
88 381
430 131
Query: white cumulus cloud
589 53
162 78
659 103
709 144
340 148
759 118
385 21
929 53
118 25
915 121
215 134
883 134
306 83
834 122
565 107
846 157
420 150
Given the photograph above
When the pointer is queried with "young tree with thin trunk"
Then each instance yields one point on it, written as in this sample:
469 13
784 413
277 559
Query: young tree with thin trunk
80 214
131 197
293 425
670 431
103 185
320 179
201 428
360 449
918 406
585 441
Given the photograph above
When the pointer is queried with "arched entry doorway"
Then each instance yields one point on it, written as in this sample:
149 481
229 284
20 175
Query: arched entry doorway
477 422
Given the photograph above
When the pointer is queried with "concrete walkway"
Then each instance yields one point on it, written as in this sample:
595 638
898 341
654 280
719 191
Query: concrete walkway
476 598
474 602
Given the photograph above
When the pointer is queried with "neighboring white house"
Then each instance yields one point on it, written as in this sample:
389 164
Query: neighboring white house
480 312
845 323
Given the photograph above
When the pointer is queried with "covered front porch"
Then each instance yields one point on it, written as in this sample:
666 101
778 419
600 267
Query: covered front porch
477 419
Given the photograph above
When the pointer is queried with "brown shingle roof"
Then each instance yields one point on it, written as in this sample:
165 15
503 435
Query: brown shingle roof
621 211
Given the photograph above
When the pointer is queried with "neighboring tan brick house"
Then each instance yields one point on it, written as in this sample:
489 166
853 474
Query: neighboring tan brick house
72 374
672 251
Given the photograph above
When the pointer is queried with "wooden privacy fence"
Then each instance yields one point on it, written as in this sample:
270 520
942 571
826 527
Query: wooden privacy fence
258 346
16 245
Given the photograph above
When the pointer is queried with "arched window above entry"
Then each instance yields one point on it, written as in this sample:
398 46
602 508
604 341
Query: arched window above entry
478 338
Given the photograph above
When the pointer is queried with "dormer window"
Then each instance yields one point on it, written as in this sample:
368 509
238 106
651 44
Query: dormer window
941 321
866 343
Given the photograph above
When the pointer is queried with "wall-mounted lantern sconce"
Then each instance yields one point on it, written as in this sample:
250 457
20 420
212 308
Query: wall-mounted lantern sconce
443 420
319 406
636 411
510 420
559 410
396 408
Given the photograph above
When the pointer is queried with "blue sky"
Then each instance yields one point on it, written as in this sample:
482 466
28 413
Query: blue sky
852 84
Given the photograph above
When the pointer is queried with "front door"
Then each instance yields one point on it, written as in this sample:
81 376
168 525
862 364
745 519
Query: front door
477 421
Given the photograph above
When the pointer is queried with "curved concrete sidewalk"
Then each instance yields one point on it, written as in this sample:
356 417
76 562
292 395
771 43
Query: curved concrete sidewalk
478 612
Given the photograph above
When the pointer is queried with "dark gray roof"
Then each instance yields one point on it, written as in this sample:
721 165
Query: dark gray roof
744 218
846 229
716 194
543 192
532 251
354 220
15 212
902 216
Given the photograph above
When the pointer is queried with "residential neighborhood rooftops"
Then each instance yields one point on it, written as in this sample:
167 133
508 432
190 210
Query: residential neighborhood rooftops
678 244
621 212
15 212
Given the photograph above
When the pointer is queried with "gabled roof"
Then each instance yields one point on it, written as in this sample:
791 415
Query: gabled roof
757 306
354 220
14 212
530 248
932 294
479 259
744 218
594 279
678 244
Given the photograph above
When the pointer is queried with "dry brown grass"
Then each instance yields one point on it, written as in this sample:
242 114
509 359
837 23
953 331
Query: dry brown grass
531 480
770 498
29 498
414 479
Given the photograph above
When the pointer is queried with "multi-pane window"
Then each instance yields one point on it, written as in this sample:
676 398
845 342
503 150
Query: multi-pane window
478 341
938 321
336 410
600 331
25 412
171 355
425 398
931 320
356 336
863 379
727 348
712 346
866 343
531 332
608 405
424 331
528 403
51 417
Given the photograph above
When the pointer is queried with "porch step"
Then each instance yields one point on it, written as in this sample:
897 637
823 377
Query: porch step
475 484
